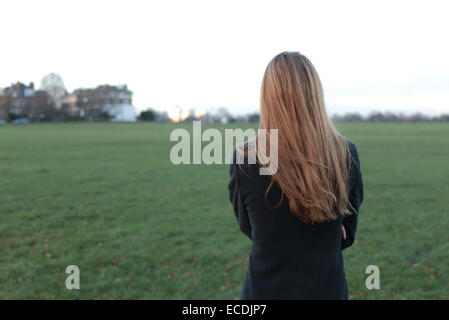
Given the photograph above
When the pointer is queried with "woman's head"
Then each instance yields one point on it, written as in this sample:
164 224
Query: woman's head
312 156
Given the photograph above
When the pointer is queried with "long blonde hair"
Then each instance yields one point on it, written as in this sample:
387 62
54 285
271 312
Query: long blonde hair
312 155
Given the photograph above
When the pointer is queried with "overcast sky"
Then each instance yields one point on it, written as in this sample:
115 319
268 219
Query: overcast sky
376 55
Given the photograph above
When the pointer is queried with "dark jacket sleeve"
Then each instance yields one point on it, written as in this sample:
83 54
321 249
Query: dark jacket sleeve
237 202
355 197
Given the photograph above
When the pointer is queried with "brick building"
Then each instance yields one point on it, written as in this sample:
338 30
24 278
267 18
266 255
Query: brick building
21 100
105 101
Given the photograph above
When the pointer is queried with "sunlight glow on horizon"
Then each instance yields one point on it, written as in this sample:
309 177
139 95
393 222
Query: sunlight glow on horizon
177 114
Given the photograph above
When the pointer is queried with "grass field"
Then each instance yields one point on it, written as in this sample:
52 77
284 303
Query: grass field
106 197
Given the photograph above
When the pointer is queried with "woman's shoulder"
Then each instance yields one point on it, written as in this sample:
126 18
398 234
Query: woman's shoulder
244 160
351 145
353 152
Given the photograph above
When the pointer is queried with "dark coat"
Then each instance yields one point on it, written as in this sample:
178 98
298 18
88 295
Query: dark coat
290 259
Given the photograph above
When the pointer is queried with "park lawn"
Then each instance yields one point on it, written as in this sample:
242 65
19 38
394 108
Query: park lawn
106 198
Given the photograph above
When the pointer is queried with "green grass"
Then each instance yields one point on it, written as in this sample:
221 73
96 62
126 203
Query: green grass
106 197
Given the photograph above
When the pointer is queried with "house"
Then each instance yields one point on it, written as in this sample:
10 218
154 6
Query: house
105 101
21 100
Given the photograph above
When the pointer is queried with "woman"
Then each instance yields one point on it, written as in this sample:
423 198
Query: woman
300 218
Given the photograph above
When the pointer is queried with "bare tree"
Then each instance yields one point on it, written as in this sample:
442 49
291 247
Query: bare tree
222 115
52 83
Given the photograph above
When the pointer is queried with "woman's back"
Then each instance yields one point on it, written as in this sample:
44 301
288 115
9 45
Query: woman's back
291 259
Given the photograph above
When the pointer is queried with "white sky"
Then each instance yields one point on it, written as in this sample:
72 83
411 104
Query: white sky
377 55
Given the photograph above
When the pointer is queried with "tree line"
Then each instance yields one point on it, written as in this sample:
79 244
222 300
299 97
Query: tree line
389 117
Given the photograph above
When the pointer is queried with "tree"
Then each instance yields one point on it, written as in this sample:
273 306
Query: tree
376 117
418 117
222 115
52 83
255 117
147 115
